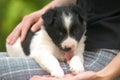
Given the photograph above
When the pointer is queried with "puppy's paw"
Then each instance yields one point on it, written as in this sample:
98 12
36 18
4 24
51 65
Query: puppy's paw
76 69
57 73
76 66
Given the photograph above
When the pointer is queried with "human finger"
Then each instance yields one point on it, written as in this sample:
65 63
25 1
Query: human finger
35 78
37 25
13 36
44 77
26 24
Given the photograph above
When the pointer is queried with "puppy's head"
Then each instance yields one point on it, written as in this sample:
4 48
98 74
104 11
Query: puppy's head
65 26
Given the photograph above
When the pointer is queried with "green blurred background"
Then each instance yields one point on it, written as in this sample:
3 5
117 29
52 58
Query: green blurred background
12 12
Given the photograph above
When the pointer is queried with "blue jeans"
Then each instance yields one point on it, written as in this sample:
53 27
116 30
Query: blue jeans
22 68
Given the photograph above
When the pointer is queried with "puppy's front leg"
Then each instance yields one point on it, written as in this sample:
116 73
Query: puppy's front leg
76 63
48 62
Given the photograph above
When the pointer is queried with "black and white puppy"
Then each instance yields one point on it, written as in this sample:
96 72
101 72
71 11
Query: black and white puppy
60 38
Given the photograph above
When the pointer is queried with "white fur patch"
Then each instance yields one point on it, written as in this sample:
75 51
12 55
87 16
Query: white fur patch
15 50
67 21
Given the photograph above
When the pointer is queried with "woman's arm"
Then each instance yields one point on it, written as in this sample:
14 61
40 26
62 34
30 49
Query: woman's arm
34 21
112 70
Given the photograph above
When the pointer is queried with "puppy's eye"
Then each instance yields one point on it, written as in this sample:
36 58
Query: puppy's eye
76 31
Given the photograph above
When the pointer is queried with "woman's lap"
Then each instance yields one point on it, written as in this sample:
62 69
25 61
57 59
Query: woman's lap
98 59
14 68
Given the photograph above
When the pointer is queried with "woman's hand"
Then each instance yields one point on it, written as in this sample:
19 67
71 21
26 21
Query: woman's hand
48 77
88 75
91 75
33 21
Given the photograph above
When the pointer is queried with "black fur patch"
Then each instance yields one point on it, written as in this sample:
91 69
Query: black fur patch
26 43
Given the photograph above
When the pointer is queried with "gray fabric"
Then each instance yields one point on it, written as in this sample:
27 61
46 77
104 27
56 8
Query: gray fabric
14 68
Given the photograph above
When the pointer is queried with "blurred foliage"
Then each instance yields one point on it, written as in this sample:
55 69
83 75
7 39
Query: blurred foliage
12 12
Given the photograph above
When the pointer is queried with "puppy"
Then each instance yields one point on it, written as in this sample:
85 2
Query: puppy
61 38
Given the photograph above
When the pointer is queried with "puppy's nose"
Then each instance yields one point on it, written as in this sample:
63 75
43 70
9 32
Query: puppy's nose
68 47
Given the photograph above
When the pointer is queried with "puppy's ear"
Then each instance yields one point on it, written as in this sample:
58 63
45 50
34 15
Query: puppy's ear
80 11
48 17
